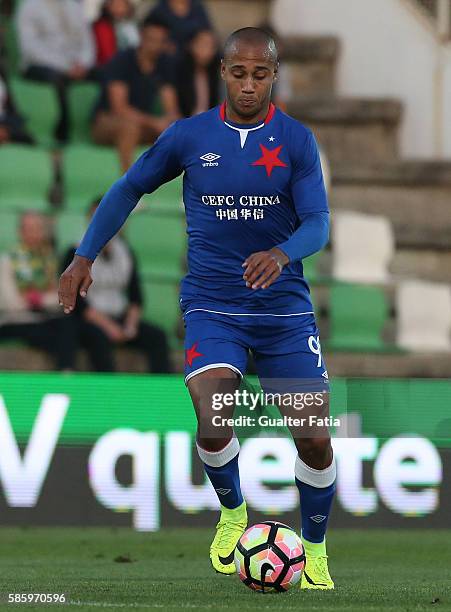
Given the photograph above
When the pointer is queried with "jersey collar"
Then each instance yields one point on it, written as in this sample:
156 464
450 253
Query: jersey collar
269 116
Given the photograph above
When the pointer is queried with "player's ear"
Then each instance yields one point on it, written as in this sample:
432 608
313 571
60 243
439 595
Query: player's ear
223 69
276 71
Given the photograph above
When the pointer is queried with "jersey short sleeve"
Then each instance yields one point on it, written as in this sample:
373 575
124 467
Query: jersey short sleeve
159 164
118 68
307 184
166 70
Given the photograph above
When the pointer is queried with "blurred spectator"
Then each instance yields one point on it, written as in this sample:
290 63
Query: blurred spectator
114 30
6 8
12 127
135 81
198 82
57 48
111 313
282 90
183 18
28 300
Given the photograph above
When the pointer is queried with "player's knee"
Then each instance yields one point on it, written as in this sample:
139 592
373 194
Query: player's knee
314 450
213 445
128 128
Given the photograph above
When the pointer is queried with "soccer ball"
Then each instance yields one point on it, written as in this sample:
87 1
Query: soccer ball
270 557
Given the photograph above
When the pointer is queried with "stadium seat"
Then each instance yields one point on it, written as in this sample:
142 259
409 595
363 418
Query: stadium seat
8 230
89 171
363 247
357 317
69 229
168 199
25 177
159 243
420 328
82 97
310 265
11 45
38 104
161 306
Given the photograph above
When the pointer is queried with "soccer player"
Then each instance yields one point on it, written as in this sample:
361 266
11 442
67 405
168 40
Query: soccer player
255 206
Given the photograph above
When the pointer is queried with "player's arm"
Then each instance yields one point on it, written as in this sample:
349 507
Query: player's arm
263 268
310 200
109 217
158 165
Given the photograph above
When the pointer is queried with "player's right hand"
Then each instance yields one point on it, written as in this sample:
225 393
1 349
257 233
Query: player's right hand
75 279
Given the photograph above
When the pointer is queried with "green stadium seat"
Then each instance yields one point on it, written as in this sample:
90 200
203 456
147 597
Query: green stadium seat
357 317
89 171
38 104
310 265
159 243
167 199
11 45
8 230
82 97
25 177
161 306
69 230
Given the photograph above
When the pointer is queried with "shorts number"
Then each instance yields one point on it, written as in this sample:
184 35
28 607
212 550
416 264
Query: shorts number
315 346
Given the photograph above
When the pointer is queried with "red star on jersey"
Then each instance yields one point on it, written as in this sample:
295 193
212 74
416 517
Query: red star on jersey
191 354
270 159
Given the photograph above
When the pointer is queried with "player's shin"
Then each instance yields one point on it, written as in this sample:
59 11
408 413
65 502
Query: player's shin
316 490
222 469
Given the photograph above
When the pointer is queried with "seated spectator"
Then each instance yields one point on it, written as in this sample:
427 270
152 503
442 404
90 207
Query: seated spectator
56 47
12 127
110 315
28 299
114 30
183 18
198 82
135 81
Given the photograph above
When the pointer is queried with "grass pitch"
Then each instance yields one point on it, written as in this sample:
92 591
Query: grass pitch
106 568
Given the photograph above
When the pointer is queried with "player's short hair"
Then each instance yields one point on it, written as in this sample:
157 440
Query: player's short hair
154 21
252 36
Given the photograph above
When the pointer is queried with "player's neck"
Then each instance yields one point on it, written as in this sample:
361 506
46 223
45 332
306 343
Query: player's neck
234 117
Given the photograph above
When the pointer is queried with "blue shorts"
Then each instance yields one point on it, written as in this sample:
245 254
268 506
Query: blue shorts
283 347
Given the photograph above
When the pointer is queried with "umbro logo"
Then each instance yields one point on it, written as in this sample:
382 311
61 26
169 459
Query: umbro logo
318 518
210 160
325 375
223 491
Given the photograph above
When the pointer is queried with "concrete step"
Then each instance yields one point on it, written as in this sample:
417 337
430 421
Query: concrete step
230 15
426 264
422 264
352 130
311 62
408 365
23 358
414 195
373 365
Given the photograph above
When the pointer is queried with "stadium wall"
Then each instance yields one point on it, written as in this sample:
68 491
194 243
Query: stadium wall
119 450
389 49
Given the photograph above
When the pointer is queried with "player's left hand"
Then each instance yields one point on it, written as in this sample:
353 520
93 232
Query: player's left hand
264 267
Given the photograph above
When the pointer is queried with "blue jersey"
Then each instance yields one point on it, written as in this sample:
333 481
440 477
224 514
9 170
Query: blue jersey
245 189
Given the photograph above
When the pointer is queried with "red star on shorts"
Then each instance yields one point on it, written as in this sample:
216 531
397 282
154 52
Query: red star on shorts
270 159
191 354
